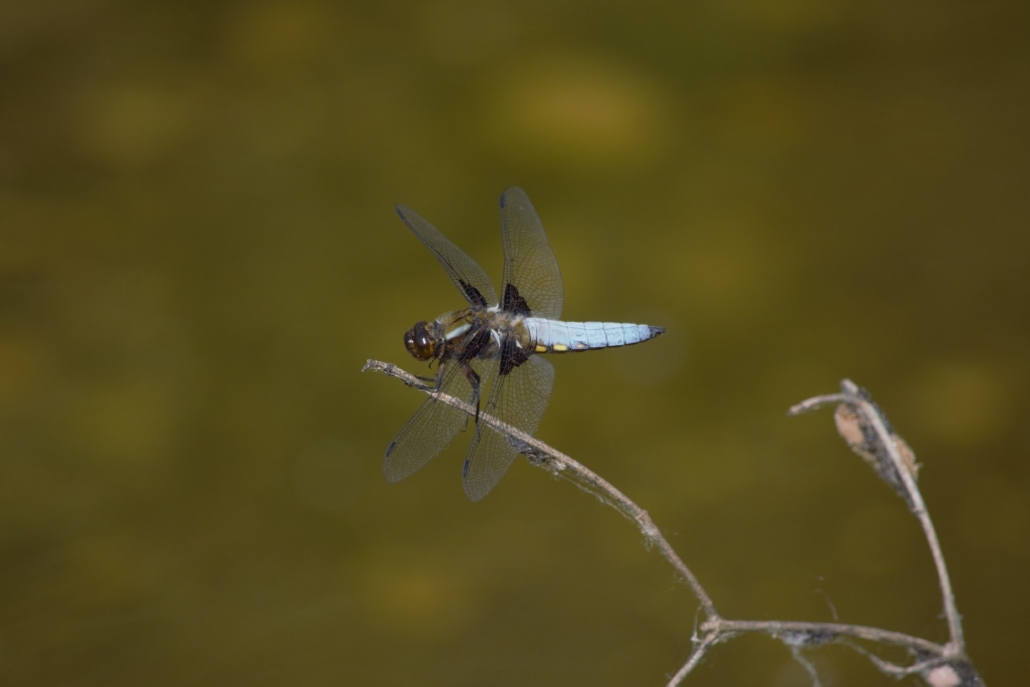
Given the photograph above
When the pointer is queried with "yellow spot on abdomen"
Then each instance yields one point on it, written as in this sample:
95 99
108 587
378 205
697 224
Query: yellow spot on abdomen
560 348
540 349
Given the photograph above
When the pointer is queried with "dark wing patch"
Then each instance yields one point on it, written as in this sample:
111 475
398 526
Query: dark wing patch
472 294
513 301
511 356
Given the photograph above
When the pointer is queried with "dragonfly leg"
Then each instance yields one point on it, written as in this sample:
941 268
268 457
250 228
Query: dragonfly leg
436 379
474 380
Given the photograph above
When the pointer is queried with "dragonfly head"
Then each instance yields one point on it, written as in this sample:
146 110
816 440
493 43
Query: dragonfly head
424 341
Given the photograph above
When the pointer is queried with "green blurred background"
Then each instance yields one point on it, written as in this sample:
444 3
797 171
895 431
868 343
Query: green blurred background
198 252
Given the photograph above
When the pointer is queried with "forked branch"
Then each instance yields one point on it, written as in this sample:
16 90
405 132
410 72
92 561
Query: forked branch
938 665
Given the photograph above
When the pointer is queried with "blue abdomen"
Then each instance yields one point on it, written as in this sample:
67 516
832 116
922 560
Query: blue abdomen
555 336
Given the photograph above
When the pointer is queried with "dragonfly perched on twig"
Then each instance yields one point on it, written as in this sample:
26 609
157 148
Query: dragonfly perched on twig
495 344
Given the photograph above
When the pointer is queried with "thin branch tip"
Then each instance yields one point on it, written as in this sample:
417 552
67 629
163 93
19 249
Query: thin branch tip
815 402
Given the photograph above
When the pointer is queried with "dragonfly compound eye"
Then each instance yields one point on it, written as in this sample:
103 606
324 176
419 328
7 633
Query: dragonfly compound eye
420 342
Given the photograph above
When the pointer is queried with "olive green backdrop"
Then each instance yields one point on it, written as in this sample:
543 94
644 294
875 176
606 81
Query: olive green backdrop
198 252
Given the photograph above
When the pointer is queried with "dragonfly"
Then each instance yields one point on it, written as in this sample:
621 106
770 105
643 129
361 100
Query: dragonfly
493 348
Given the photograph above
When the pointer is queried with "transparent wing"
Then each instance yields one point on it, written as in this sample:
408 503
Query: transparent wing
429 430
519 399
469 277
529 262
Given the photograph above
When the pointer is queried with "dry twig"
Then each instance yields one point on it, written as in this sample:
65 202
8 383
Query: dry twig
866 429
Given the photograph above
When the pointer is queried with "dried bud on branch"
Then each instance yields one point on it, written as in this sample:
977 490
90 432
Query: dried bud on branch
863 439
857 418
957 673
